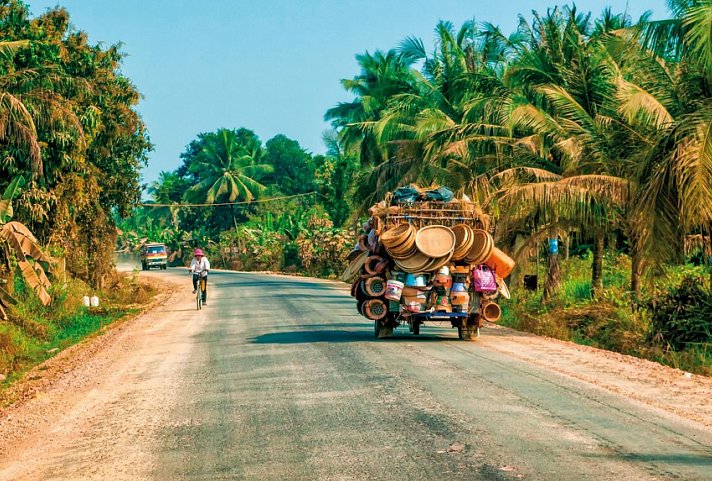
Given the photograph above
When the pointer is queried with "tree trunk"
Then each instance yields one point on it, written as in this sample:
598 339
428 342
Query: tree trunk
567 247
635 274
553 277
597 271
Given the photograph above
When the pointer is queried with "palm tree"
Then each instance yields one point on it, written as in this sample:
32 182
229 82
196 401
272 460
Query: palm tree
672 109
685 37
227 170
167 191
383 75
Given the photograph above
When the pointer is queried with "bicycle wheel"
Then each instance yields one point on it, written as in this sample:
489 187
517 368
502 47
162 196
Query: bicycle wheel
199 296
203 286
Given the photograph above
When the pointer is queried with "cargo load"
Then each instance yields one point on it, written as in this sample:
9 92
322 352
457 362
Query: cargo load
427 257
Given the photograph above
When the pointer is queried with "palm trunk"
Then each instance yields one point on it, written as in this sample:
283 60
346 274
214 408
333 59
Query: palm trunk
567 247
553 277
635 274
597 271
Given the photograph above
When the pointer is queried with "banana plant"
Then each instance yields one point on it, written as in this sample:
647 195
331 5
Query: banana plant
17 239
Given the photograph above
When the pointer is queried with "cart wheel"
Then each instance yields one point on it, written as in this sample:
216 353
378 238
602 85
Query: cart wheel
416 328
468 333
376 328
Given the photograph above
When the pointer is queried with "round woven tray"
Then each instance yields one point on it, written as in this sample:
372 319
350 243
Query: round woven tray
437 263
481 247
463 241
404 253
352 271
397 235
435 241
413 264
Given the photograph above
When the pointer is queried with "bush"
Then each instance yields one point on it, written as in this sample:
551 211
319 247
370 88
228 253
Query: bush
682 315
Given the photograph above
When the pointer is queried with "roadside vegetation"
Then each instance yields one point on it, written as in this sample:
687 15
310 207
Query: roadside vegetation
72 145
34 332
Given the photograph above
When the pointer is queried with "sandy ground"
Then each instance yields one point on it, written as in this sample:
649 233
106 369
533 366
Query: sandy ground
121 387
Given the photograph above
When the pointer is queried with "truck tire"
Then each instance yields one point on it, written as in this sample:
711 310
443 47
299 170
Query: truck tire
143 266
416 328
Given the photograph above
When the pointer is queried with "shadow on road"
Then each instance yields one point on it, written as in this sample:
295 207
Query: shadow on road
313 336
692 459
335 335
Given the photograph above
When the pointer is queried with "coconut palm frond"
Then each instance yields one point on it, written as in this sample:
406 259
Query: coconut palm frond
568 107
638 105
522 174
531 117
693 167
697 22
607 189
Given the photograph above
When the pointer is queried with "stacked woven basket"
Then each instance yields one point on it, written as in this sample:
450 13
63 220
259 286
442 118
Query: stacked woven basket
428 256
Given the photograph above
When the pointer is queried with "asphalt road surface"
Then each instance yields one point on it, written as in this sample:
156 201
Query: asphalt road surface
278 378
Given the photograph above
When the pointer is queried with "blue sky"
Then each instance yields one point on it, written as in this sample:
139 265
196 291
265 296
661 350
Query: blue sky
272 66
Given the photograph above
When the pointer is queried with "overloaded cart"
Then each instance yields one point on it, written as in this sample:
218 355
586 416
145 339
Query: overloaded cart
427 257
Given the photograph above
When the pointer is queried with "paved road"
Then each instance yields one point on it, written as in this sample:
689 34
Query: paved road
279 379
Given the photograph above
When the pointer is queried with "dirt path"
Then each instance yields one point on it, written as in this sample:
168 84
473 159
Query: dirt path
299 389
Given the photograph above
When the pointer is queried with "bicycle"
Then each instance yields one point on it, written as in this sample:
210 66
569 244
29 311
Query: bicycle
200 292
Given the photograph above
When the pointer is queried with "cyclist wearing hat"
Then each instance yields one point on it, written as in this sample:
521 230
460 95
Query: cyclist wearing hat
200 266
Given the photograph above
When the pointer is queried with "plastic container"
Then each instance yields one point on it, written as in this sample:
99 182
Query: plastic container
443 278
94 301
500 263
86 301
414 307
415 280
459 294
398 276
394 290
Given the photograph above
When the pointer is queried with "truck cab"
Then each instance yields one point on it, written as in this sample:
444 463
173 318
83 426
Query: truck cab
154 255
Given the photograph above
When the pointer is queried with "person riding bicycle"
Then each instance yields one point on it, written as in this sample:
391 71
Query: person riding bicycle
200 266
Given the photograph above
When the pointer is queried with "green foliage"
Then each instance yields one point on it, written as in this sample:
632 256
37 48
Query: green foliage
73 132
673 327
292 167
682 314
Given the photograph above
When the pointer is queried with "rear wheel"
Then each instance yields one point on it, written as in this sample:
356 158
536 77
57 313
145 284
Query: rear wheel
468 333
416 328
381 331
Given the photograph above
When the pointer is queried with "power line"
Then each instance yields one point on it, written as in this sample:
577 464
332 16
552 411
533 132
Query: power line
256 201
